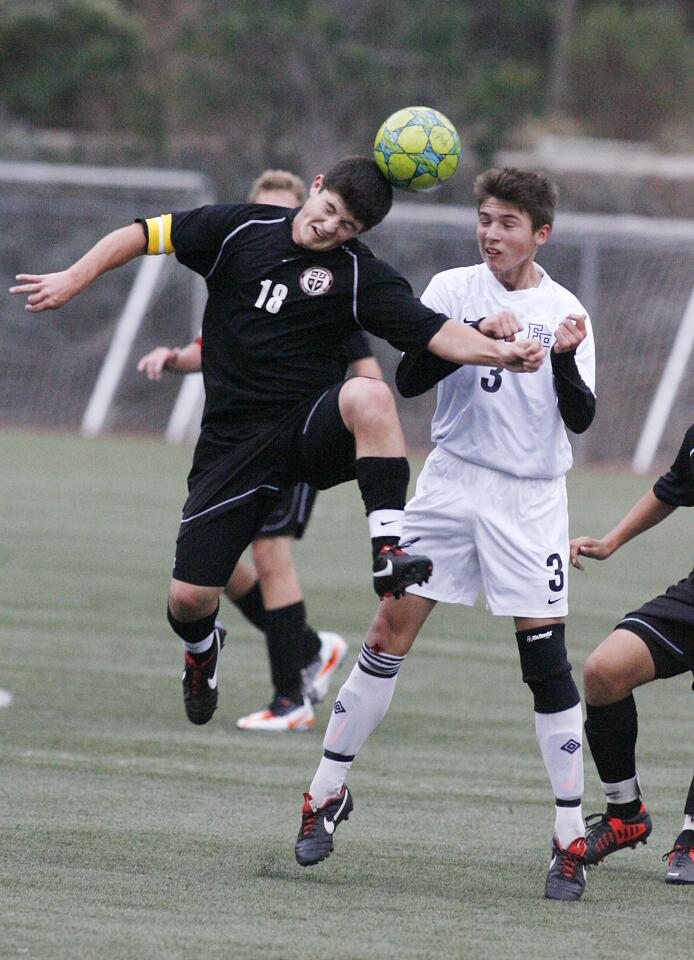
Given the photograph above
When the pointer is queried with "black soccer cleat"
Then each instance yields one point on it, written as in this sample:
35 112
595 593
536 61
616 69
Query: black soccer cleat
566 878
680 860
606 834
394 570
200 687
318 824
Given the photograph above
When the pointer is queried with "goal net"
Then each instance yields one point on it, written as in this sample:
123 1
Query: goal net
75 368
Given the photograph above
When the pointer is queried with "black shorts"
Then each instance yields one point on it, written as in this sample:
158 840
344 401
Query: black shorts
667 628
290 515
230 502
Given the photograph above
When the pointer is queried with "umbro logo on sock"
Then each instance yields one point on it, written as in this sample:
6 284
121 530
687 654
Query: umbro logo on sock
571 746
338 708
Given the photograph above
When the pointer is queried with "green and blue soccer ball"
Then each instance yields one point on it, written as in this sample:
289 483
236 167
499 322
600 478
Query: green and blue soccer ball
417 148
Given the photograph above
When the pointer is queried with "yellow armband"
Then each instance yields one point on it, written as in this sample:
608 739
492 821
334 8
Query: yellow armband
159 234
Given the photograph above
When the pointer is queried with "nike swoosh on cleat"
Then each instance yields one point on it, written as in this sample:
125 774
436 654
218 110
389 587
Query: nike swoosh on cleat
386 571
212 681
328 825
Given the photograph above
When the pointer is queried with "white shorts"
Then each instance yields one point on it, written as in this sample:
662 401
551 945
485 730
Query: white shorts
486 529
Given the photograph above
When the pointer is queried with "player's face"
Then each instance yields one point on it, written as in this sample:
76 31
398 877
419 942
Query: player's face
324 222
279 198
508 243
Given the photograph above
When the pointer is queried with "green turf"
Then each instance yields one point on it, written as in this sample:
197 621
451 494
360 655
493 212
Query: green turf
127 833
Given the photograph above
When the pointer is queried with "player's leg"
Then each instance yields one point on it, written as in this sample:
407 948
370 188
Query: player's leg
522 540
205 558
680 860
302 661
243 590
622 662
354 432
361 703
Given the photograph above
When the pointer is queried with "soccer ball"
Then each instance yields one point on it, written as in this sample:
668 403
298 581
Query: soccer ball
417 148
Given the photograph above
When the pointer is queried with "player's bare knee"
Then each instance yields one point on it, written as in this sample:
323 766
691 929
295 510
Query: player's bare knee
602 683
187 601
366 402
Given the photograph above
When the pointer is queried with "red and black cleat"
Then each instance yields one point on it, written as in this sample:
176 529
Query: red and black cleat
606 835
394 570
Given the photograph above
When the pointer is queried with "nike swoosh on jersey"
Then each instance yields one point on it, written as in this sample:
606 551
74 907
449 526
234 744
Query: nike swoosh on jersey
556 600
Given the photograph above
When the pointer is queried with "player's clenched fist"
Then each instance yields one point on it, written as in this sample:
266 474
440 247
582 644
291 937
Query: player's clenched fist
522 356
501 326
570 332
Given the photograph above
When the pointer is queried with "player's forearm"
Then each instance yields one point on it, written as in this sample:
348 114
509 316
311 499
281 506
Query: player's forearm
461 344
575 399
111 251
185 360
646 513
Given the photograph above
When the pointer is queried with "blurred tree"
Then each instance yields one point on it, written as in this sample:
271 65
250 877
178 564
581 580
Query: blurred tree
72 63
632 69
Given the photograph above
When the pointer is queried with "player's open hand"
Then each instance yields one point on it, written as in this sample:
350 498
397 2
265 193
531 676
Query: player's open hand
587 547
501 326
46 291
522 356
154 362
570 332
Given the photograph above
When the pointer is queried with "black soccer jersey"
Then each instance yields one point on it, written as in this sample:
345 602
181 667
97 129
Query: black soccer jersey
278 315
676 487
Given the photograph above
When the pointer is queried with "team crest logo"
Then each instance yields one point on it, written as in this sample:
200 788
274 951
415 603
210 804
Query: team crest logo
316 280
537 332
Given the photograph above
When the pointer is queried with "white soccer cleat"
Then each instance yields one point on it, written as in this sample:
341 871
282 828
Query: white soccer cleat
319 672
281 716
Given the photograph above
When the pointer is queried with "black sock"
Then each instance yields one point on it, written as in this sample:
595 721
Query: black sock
611 733
285 643
311 645
383 482
689 805
251 606
193 631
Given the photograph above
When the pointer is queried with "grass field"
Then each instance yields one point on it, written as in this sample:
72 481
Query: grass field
128 833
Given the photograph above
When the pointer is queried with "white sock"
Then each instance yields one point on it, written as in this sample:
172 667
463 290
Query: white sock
385 523
623 792
202 645
361 703
688 822
560 738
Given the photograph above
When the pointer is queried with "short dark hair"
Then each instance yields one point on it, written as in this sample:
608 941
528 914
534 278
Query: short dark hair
362 188
528 190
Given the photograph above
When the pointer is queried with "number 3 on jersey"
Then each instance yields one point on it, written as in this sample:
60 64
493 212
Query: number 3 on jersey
274 303
492 382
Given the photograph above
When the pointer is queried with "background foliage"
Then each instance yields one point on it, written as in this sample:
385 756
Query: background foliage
196 81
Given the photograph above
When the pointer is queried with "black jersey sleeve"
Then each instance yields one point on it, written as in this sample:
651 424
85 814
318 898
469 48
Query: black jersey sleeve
676 487
357 347
575 399
386 307
198 236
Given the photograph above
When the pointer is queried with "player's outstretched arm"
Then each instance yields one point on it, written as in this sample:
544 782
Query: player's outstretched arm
461 344
646 513
178 359
49 291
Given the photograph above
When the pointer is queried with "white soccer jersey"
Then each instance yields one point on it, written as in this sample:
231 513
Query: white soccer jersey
507 421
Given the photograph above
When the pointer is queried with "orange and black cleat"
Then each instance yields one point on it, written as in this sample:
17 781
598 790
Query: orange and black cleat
606 835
